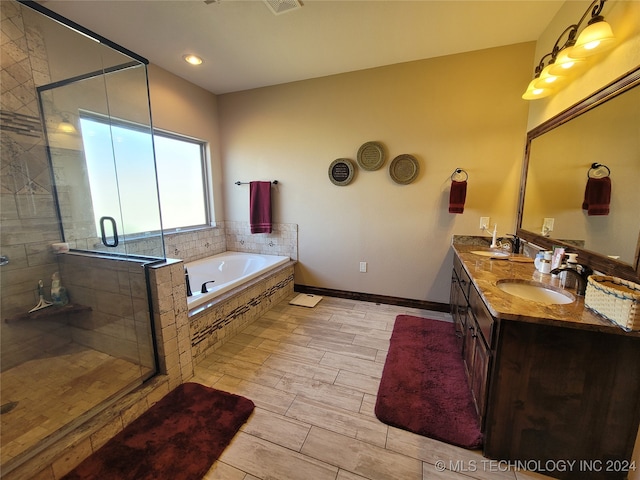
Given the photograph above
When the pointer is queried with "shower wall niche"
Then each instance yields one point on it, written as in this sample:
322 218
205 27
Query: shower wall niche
62 365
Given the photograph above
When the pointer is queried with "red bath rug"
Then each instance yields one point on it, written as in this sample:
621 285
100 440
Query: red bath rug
178 438
424 387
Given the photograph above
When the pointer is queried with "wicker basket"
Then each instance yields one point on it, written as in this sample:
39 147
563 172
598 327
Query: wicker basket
615 299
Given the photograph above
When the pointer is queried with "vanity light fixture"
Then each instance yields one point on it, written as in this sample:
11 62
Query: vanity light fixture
192 59
564 59
65 125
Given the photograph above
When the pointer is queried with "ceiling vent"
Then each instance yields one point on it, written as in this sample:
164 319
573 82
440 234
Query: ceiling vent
281 6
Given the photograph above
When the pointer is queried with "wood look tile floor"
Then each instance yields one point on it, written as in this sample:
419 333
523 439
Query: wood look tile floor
313 374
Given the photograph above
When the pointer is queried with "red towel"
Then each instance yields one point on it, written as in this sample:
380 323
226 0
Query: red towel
260 207
457 196
597 196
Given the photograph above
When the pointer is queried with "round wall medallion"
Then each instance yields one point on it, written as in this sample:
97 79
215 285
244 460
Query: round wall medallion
404 169
341 172
371 156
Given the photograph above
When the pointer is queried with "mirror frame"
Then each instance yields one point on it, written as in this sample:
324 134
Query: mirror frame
595 260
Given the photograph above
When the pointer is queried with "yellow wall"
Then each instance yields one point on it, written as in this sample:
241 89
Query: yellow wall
456 111
624 18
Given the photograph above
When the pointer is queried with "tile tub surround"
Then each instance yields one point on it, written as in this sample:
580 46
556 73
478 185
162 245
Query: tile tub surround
235 309
234 236
283 240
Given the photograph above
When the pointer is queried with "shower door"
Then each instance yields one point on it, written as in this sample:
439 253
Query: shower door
78 167
101 150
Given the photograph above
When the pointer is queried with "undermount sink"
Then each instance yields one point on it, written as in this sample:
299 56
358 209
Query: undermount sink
490 253
536 292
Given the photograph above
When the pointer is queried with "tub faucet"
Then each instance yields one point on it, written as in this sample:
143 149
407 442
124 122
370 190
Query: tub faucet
186 279
204 286
581 272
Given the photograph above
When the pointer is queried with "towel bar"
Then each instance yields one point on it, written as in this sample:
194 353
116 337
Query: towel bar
275 182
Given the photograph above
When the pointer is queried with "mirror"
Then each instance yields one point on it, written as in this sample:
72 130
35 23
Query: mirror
602 129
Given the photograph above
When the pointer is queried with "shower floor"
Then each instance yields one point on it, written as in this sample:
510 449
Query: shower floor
40 397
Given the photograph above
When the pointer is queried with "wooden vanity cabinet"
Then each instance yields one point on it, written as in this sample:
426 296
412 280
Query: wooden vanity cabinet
458 300
474 326
564 395
549 393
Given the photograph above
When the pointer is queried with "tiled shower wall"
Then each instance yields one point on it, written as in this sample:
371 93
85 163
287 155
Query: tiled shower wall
29 223
119 321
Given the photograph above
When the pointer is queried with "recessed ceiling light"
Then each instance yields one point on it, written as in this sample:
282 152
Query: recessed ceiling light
192 59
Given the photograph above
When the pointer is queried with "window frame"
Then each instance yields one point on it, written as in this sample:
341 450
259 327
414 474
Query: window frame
204 170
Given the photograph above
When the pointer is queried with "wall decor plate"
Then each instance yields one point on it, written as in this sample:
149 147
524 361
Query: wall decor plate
371 156
404 169
341 172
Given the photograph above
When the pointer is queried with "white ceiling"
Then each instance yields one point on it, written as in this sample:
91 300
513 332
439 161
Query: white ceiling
244 45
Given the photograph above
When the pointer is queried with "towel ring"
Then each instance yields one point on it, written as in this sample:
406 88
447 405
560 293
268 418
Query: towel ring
459 171
595 168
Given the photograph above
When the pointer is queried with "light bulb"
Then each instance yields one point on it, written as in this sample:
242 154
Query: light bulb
192 59
533 92
548 80
595 38
564 64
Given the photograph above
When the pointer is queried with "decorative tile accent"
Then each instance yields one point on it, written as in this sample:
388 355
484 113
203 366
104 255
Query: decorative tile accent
22 124
211 328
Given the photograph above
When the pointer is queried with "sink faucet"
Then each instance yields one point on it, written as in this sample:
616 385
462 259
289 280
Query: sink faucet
581 272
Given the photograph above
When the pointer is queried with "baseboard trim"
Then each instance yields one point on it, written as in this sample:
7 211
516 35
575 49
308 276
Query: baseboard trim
368 297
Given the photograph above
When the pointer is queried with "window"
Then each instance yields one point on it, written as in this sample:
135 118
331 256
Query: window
120 170
180 163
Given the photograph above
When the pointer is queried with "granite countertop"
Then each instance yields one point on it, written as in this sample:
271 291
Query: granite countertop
486 272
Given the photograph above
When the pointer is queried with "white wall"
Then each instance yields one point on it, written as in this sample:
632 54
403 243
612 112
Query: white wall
455 111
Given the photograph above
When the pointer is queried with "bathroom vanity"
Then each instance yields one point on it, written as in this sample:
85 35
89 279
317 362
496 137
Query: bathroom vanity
556 387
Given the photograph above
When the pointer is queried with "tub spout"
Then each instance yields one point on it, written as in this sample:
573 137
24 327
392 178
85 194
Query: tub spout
186 279
204 286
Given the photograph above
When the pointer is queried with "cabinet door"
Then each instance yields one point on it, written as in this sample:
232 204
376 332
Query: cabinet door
468 349
458 304
481 361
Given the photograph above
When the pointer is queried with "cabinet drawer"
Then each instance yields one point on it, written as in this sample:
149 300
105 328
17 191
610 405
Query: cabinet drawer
463 277
483 317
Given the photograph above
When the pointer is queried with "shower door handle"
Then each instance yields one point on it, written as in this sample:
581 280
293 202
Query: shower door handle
104 235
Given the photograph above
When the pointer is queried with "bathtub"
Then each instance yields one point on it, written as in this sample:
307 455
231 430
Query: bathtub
228 270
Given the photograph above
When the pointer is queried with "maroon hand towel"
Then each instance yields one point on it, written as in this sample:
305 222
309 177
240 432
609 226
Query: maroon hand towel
457 196
260 207
597 196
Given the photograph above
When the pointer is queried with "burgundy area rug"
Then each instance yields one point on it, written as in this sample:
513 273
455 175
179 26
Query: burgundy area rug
178 438
424 386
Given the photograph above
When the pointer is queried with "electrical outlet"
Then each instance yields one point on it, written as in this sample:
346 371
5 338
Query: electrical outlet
363 267
547 225
484 223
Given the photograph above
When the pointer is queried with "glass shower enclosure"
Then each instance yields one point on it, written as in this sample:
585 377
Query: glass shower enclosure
78 173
